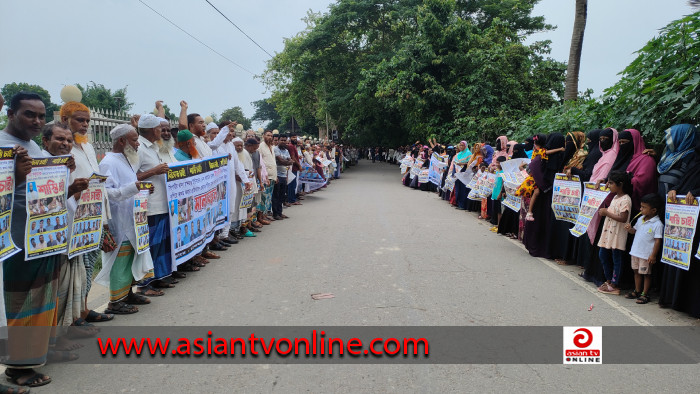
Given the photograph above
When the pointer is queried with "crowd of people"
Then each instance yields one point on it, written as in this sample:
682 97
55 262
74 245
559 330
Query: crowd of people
622 247
50 293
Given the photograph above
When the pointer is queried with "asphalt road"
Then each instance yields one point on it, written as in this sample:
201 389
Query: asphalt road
392 256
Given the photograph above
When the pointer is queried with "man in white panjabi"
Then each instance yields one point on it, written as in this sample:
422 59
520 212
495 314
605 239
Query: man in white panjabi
123 265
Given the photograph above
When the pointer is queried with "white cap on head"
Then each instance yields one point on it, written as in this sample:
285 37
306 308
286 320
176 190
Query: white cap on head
210 126
120 131
163 120
148 121
237 139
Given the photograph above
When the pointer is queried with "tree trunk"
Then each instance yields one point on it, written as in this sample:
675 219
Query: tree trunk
572 69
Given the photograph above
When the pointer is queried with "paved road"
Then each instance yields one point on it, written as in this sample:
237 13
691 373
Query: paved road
373 243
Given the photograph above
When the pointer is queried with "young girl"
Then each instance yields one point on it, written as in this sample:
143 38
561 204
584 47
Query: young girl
613 239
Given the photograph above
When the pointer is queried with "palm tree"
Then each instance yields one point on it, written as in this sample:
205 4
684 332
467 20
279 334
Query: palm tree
572 69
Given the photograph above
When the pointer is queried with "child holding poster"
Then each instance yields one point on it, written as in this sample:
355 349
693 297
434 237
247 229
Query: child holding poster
649 231
613 239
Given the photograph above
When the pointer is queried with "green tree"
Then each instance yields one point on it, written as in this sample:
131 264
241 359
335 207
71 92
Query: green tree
575 50
235 114
3 121
100 97
266 112
13 88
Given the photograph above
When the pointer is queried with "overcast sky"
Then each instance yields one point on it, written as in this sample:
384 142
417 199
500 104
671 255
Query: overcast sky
123 43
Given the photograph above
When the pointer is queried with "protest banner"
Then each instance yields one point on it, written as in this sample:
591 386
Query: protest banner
309 176
198 204
424 176
140 216
470 179
488 184
679 232
7 187
46 207
477 191
247 199
566 198
436 169
86 231
511 201
592 200
406 163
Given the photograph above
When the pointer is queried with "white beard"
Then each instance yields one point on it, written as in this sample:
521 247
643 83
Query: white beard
166 146
132 155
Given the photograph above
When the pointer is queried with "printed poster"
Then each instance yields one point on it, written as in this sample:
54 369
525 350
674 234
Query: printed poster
424 176
46 208
86 231
416 168
309 176
681 218
406 163
592 200
436 169
198 204
450 182
7 187
140 216
247 199
511 201
566 198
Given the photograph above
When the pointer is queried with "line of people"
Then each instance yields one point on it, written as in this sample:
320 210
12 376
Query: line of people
50 293
622 245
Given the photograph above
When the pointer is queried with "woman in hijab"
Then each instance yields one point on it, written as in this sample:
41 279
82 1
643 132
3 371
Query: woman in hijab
488 153
460 164
576 150
509 224
501 149
558 230
594 154
643 170
685 295
529 146
475 161
677 165
592 268
625 153
446 194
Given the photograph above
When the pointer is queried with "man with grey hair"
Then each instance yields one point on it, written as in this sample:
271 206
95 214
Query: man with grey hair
123 265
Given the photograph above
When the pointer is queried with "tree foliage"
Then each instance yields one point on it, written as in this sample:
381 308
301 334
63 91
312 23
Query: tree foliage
266 112
388 72
235 114
660 88
98 96
13 88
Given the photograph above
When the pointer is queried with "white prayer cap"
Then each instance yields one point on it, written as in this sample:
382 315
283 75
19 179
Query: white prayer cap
148 121
210 126
237 139
120 131
162 120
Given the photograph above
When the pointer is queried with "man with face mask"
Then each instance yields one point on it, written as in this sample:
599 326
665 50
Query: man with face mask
123 265
153 165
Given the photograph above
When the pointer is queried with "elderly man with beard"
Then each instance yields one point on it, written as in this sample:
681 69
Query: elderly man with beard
268 157
58 141
77 116
123 265
30 290
247 164
153 165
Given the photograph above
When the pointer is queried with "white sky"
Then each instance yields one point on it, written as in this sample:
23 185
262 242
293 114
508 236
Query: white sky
122 43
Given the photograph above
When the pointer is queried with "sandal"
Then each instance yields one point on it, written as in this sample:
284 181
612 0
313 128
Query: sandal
188 267
161 284
643 299
96 317
33 378
633 295
137 299
121 308
149 292
82 329
179 275
5 389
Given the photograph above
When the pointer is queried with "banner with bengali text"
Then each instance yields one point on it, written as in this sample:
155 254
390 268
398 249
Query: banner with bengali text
566 198
679 232
7 187
86 227
592 200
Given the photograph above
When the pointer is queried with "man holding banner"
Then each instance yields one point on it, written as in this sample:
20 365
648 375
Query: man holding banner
123 265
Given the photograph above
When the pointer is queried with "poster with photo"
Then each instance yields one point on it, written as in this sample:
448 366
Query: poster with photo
566 198
450 182
7 187
679 231
86 230
197 203
141 216
46 208
592 200
424 176
416 168
511 201
437 168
